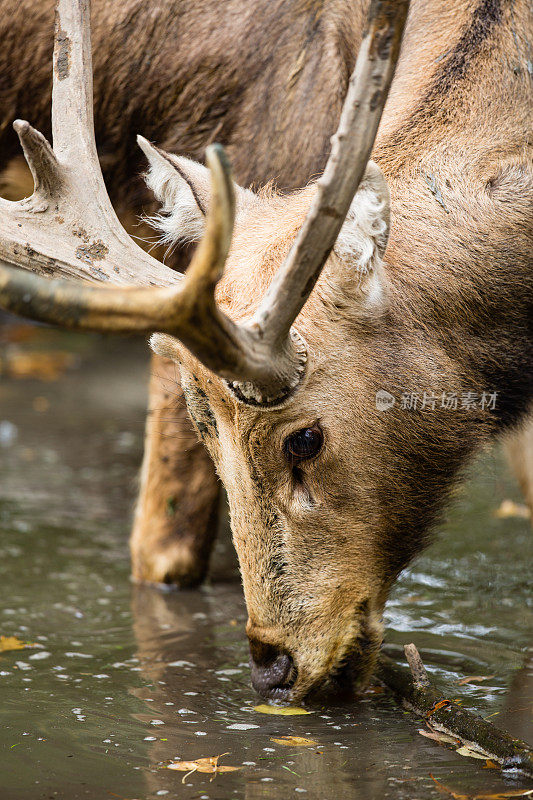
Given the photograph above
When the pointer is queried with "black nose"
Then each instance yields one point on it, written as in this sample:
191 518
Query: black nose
272 670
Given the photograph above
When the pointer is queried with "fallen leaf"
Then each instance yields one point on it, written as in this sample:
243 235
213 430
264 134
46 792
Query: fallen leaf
441 738
508 508
294 741
283 711
207 765
494 796
445 790
437 706
12 643
470 753
491 764
475 679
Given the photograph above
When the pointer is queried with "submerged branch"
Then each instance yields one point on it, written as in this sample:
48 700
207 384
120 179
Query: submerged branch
414 690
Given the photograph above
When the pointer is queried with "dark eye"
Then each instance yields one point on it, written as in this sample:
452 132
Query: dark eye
303 444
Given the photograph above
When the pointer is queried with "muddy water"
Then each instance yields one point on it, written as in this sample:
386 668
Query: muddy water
124 679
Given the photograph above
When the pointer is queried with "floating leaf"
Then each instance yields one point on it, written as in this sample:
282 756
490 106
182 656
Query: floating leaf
12 643
489 764
509 508
475 679
470 753
294 741
207 765
283 711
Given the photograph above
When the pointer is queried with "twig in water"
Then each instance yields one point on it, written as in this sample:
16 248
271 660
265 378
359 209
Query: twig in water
416 693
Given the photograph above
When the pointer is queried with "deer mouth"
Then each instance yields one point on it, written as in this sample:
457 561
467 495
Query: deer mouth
349 677
352 671
281 678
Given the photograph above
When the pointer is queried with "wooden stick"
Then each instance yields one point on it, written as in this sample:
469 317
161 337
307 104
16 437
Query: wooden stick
415 692
418 670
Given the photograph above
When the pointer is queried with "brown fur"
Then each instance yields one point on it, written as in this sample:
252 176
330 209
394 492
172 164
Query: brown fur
183 74
186 73
176 516
320 546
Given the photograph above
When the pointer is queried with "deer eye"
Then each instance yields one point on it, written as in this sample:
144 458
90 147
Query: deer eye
303 445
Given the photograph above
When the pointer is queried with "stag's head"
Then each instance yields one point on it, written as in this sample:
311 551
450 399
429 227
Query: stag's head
281 332
295 456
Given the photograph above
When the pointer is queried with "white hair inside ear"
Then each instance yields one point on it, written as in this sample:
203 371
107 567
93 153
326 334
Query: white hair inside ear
362 240
183 188
164 345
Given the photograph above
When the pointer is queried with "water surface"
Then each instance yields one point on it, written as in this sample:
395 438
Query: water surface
124 679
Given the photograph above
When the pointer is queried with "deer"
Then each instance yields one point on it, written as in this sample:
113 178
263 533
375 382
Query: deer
183 73
306 323
176 82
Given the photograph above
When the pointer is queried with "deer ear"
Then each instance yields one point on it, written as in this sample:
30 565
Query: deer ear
166 346
362 241
182 187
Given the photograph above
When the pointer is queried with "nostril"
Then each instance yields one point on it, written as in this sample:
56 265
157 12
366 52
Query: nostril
270 668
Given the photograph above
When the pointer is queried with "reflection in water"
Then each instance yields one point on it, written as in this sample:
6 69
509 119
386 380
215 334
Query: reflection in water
124 679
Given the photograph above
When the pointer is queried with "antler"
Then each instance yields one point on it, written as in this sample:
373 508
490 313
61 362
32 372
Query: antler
350 152
68 227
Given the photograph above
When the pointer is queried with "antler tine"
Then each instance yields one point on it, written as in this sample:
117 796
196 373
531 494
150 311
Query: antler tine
41 159
68 227
187 311
207 264
351 148
174 310
72 86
